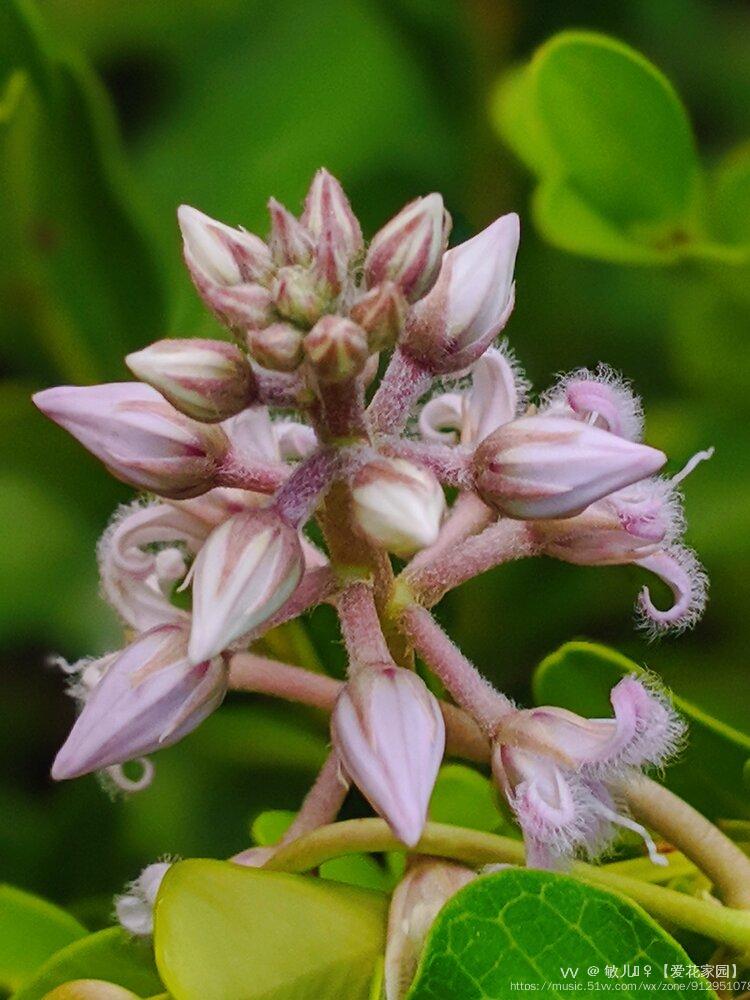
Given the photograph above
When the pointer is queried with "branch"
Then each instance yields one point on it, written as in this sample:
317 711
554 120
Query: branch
401 386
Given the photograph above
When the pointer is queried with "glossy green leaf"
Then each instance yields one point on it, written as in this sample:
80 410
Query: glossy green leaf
611 144
31 929
730 200
539 929
225 931
110 955
711 773
464 797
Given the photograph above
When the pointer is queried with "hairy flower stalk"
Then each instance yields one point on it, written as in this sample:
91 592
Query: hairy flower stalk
248 442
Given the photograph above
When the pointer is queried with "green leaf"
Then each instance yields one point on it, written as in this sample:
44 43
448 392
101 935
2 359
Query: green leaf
270 826
730 197
464 797
31 929
611 144
78 272
711 773
226 931
531 927
110 955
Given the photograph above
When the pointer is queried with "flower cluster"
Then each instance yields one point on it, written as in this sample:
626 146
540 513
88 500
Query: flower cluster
237 445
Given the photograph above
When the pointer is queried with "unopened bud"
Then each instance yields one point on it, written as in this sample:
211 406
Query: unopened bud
327 209
398 505
277 347
336 348
141 439
135 907
390 735
219 254
470 303
408 249
149 697
416 901
207 380
299 295
290 241
89 989
553 467
380 313
242 307
247 568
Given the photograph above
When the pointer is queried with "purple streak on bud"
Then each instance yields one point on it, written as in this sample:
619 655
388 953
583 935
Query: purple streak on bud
470 303
397 505
141 439
220 255
242 307
336 348
390 735
249 566
278 347
418 898
551 467
602 398
298 295
207 380
381 313
135 907
408 250
327 210
290 241
681 571
149 697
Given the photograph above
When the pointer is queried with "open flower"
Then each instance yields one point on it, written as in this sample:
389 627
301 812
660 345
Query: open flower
561 773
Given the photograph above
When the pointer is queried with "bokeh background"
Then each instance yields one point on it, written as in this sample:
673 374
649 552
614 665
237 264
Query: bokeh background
221 103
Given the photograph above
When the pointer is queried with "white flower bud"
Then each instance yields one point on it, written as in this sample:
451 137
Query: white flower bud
398 505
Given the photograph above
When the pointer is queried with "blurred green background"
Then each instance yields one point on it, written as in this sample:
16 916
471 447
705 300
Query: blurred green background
221 103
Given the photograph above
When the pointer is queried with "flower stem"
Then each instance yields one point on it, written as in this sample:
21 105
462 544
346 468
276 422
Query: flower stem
360 626
401 386
728 926
472 692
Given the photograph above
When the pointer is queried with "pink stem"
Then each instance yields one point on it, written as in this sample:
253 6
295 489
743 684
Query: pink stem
360 627
499 543
259 674
278 388
260 477
342 410
315 587
468 516
256 674
403 383
297 499
472 692
450 464
320 806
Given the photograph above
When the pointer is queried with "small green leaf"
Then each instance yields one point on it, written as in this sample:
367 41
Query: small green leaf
711 772
270 826
464 797
730 200
31 929
225 931
540 929
110 955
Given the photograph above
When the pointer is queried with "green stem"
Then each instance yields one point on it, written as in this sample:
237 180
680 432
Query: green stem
722 924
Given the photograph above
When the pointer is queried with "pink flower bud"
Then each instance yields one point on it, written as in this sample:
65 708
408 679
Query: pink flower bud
219 255
397 505
381 313
416 901
329 218
149 697
208 380
551 467
141 439
290 241
242 307
135 907
277 347
249 566
298 295
470 303
336 348
408 250
390 735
